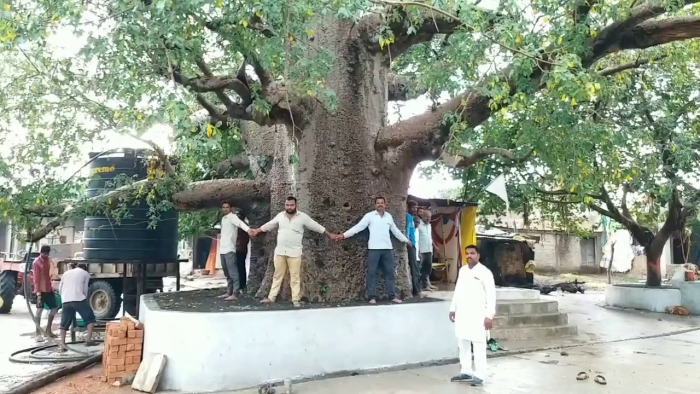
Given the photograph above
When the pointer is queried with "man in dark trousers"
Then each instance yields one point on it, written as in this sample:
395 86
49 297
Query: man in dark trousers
242 252
380 253
74 291
41 271
411 211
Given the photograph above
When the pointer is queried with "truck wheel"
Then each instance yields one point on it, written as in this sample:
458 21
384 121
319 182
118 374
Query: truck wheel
103 300
8 288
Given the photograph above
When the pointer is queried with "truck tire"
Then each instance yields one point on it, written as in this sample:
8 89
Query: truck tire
8 288
103 300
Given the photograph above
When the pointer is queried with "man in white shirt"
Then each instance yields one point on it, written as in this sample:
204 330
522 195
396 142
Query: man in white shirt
425 248
472 310
380 251
230 224
292 224
74 290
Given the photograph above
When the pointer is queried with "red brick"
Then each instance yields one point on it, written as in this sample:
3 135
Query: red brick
130 347
114 355
138 346
117 341
112 368
113 351
122 333
121 355
134 340
115 375
120 367
132 367
132 334
139 333
122 348
116 361
135 353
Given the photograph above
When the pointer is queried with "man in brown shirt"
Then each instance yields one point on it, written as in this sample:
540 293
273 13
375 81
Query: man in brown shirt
41 271
242 252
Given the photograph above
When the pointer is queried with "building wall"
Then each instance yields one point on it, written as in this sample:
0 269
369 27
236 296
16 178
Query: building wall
561 252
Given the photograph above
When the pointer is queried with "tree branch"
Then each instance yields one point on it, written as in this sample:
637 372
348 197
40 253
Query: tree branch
400 88
483 154
424 137
434 22
242 193
606 72
237 163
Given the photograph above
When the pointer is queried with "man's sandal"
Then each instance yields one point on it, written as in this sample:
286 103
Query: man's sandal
600 380
582 376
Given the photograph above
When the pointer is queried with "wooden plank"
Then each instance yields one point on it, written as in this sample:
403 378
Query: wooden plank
148 376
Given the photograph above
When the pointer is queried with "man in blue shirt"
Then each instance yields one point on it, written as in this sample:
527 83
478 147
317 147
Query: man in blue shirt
411 211
380 253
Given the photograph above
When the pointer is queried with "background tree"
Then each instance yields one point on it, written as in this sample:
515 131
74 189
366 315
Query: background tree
304 86
629 151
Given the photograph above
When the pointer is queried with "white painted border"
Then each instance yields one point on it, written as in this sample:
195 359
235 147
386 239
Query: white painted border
209 352
644 298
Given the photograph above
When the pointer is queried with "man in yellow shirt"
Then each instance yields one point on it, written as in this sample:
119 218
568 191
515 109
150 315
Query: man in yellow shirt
292 224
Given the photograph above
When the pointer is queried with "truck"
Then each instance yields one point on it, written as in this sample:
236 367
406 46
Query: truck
117 284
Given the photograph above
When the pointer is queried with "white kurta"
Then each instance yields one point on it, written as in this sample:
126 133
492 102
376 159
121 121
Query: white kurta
474 300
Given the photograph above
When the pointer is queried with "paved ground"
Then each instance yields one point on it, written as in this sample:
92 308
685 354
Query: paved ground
16 333
637 352
662 365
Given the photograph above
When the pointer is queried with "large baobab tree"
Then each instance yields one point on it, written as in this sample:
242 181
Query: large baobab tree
305 87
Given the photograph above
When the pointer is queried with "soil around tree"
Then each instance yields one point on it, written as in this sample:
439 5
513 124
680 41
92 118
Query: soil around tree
206 301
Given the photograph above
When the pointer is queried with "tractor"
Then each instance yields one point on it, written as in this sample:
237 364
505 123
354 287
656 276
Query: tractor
12 282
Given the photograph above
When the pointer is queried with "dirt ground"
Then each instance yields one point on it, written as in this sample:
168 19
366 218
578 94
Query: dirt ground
207 301
84 382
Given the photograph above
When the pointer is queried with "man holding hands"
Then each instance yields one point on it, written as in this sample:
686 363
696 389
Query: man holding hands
292 224
380 253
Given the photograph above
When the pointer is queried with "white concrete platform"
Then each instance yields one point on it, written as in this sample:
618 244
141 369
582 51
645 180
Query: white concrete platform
209 352
653 299
515 294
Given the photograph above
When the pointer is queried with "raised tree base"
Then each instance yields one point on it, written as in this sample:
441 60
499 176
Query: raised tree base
243 348
638 296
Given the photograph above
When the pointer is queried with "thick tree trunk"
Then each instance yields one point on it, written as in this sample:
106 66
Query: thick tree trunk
653 270
339 173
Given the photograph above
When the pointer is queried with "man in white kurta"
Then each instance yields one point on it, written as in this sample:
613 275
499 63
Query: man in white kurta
472 310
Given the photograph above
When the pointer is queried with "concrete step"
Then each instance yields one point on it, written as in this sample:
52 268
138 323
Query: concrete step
531 320
522 333
513 294
526 307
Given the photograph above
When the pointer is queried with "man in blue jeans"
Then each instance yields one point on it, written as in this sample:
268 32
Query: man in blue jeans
380 253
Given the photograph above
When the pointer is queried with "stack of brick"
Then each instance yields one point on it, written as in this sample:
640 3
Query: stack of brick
123 349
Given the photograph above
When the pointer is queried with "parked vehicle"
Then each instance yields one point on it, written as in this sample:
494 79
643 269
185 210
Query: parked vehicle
12 282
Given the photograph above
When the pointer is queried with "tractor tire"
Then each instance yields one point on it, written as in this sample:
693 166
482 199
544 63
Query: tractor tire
8 288
103 300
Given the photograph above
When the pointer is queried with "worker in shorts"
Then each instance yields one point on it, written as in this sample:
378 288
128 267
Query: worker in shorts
45 297
74 290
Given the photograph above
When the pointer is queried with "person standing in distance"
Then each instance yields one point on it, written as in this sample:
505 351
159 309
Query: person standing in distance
242 241
411 210
380 252
41 271
292 224
230 224
472 310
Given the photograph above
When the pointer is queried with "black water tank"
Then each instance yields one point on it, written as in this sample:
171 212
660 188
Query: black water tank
130 239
